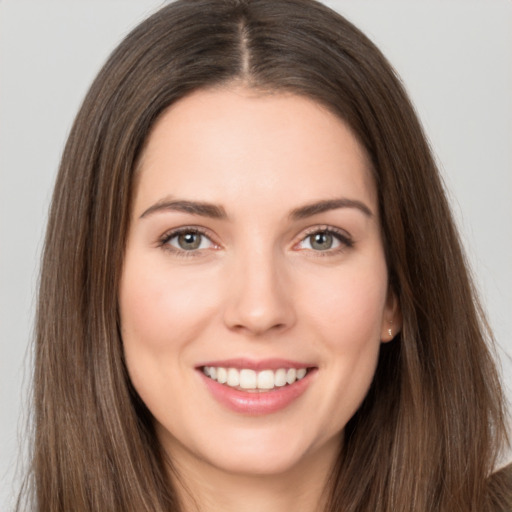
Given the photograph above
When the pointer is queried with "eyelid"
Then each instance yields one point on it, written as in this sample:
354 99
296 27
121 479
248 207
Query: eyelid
171 233
341 235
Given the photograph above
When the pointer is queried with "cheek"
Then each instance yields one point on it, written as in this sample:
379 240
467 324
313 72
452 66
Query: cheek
161 309
349 307
162 313
347 317
352 325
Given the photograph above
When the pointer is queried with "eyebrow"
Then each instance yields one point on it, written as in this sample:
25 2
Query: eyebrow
218 212
329 204
193 207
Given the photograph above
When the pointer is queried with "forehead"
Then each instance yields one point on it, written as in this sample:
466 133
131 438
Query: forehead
237 144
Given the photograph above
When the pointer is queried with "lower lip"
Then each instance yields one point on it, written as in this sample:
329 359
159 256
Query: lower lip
257 403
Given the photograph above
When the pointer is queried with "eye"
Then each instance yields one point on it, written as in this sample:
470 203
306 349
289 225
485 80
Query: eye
325 240
188 240
322 241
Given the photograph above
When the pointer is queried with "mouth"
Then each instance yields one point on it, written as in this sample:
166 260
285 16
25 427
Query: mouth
256 388
252 381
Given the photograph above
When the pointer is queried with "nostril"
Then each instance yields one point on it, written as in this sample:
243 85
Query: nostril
258 328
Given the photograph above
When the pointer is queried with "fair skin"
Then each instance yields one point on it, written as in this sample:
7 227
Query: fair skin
254 281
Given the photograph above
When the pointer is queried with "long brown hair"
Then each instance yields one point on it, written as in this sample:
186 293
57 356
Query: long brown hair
426 437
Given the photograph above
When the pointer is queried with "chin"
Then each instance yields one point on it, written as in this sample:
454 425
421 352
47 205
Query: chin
268 451
265 463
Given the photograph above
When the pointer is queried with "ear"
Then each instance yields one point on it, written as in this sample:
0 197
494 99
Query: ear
391 318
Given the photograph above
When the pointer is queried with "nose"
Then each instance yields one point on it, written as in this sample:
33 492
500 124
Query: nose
259 297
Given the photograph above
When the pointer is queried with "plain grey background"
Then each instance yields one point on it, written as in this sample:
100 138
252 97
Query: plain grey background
455 57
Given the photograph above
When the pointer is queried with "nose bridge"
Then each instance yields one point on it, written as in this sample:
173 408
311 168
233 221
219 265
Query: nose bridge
259 297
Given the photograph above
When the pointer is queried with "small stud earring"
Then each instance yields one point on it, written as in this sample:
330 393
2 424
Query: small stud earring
390 332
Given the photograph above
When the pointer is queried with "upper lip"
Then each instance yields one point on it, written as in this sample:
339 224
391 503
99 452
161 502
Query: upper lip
253 364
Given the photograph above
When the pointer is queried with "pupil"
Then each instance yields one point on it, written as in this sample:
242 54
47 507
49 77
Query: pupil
189 241
322 241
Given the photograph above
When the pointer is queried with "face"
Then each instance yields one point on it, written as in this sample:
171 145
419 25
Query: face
254 294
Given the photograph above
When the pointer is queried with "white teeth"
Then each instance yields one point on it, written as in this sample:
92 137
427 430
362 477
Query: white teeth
222 375
252 380
291 375
280 377
301 373
266 379
247 379
233 377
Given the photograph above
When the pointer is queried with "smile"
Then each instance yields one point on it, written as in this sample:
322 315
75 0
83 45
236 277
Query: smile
254 381
256 387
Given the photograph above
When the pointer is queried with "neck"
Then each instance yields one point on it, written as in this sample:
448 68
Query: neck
303 488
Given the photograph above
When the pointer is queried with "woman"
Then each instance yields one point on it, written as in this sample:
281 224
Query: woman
252 292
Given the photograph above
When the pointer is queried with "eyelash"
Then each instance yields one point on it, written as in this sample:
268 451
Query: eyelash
164 240
341 236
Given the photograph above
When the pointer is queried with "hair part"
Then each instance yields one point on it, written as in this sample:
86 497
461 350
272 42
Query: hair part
429 431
